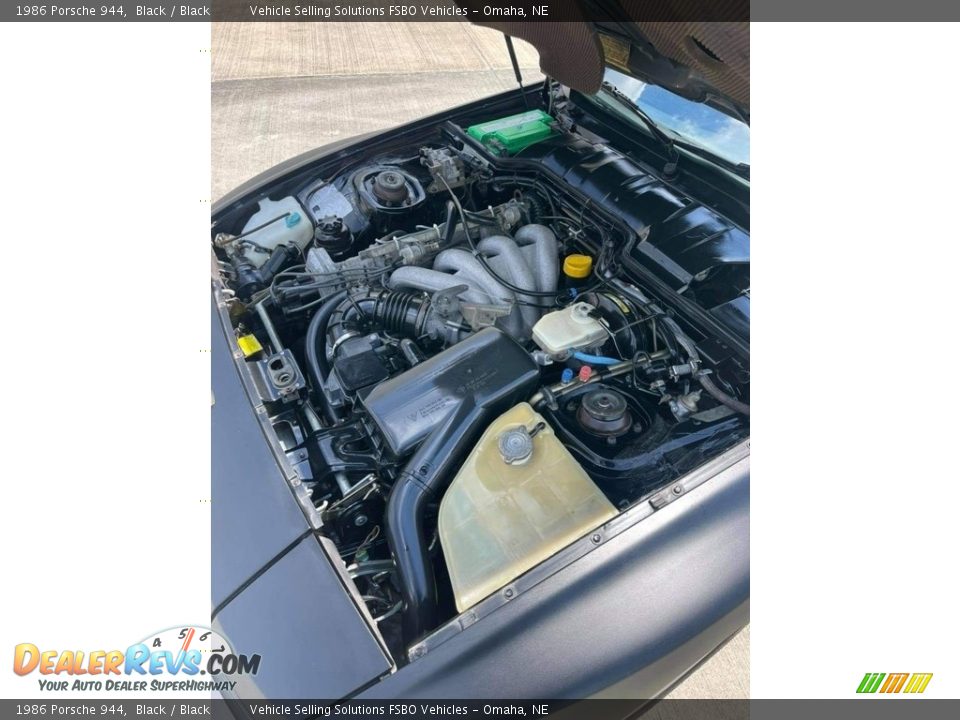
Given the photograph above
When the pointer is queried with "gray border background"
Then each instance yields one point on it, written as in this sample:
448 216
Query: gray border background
768 10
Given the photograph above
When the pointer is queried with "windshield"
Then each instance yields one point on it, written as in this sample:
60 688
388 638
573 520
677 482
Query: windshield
694 122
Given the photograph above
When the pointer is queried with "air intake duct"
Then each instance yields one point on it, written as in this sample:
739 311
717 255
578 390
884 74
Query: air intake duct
403 313
440 407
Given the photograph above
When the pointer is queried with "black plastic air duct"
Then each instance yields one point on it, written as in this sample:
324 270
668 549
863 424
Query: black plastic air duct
445 403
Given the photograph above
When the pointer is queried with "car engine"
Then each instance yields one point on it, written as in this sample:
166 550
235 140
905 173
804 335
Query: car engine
461 369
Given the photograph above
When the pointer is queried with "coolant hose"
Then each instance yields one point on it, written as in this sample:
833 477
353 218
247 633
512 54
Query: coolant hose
721 397
315 347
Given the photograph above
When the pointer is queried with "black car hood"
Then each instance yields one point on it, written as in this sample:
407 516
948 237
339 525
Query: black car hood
704 61
255 518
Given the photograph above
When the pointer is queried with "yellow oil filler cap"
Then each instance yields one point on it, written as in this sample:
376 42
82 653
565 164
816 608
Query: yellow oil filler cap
577 267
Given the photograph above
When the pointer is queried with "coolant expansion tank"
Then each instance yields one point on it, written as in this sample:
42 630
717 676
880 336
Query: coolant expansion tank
518 499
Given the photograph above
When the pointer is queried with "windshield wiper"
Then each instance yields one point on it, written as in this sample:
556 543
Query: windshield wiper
741 169
673 155
671 144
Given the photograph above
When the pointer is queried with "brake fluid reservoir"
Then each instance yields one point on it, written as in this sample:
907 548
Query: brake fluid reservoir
563 330
280 222
518 499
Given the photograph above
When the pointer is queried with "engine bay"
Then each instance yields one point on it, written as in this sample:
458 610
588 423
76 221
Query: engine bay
462 364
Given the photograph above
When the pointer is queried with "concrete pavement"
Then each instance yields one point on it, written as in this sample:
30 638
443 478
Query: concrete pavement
280 89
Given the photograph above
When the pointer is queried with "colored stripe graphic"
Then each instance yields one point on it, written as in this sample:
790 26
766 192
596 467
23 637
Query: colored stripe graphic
918 682
870 682
895 682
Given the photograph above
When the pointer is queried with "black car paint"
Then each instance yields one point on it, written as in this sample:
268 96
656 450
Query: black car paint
293 630
254 517
624 620
635 613
272 583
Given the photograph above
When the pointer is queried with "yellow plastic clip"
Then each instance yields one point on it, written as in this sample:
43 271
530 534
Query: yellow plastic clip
249 345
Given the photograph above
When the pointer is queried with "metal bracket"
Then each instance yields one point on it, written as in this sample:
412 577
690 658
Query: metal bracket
446 303
479 316
665 497
278 378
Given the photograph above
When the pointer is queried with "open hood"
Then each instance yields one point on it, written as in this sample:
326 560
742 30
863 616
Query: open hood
702 61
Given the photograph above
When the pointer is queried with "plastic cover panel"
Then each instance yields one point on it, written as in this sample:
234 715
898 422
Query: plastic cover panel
409 406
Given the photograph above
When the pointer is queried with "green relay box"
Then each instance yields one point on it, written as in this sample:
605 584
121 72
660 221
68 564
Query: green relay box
513 133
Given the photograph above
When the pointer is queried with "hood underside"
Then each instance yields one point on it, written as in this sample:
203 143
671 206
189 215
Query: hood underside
702 61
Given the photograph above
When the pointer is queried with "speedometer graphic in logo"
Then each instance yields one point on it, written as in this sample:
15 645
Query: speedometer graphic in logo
195 645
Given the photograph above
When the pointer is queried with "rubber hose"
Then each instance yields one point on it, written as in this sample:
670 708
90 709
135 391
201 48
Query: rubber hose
315 347
451 225
721 397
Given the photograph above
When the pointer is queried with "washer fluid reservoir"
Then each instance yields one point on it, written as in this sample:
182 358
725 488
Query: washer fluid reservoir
518 499
280 222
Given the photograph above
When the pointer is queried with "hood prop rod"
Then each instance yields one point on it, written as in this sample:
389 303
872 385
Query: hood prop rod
516 68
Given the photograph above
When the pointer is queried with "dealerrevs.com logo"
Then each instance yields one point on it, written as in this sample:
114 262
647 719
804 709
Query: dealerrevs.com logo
176 659
910 683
